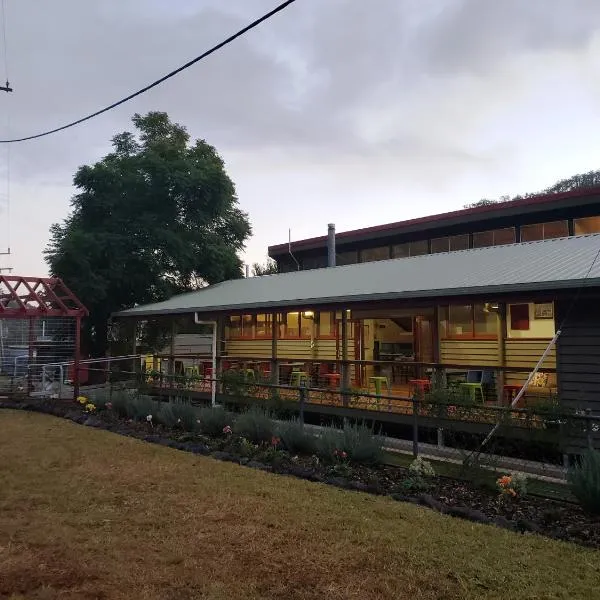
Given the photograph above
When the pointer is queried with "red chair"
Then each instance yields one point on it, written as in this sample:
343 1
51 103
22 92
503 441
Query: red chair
418 386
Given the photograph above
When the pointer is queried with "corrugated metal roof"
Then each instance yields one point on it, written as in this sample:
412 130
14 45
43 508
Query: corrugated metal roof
533 266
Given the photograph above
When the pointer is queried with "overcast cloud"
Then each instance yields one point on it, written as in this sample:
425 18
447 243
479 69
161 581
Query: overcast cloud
340 111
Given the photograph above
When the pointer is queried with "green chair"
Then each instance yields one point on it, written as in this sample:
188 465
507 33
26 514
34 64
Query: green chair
376 382
476 380
249 375
298 378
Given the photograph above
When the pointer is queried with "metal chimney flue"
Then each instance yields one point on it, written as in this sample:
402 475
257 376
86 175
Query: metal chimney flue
331 245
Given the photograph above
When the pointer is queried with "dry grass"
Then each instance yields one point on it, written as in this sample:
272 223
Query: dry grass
88 514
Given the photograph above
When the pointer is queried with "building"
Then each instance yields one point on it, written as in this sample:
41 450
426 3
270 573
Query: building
525 220
494 309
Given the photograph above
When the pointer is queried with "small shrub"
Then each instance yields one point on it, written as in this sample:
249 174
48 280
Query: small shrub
295 438
421 468
420 471
512 486
234 383
357 441
178 415
122 404
330 441
214 420
415 484
584 480
478 470
362 445
342 469
142 406
255 425
270 455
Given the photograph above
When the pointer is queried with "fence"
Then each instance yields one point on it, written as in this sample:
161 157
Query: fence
27 349
445 423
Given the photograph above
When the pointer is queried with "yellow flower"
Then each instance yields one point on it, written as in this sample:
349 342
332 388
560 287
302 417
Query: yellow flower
90 407
81 399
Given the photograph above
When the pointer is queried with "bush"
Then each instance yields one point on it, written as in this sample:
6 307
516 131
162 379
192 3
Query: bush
142 406
255 425
361 445
357 441
176 414
584 480
295 438
329 440
122 403
421 468
214 420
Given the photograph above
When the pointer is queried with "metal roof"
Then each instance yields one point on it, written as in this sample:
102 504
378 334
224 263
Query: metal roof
534 266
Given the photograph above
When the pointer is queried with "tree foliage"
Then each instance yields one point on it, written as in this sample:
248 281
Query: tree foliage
576 182
157 216
268 268
579 181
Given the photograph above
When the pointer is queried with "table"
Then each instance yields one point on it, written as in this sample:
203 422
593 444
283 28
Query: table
333 379
510 392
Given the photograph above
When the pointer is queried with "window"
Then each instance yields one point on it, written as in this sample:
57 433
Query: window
468 321
519 317
401 250
410 249
326 325
485 321
235 326
372 254
292 324
459 242
347 258
494 237
314 262
544 231
587 225
440 245
419 248
247 326
460 320
450 244
264 326
297 325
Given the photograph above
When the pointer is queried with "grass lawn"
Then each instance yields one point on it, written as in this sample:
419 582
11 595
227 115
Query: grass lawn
89 514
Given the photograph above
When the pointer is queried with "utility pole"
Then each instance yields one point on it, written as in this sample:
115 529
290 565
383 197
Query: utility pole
6 88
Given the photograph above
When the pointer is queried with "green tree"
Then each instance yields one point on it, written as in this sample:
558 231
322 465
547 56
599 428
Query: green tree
269 268
482 202
579 181
157 216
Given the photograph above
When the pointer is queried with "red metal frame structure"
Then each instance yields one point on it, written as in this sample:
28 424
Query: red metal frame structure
40 297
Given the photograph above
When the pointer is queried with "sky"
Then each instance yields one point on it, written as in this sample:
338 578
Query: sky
345 111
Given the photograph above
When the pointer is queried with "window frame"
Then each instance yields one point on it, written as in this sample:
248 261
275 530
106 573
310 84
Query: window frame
472 335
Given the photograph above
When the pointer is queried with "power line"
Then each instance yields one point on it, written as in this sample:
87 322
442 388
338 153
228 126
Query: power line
188 64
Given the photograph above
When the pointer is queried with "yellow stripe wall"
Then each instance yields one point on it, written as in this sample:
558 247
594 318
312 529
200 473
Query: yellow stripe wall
469 352
526 353
323 349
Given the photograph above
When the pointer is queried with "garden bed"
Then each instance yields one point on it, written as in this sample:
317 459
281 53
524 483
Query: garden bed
468 500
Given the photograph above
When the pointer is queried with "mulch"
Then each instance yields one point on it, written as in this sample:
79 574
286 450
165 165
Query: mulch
529 514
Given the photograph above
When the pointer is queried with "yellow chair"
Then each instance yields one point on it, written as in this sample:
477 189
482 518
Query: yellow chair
298 378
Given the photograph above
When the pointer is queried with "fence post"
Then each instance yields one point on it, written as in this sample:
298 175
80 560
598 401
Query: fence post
303 392
588 429
415 402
